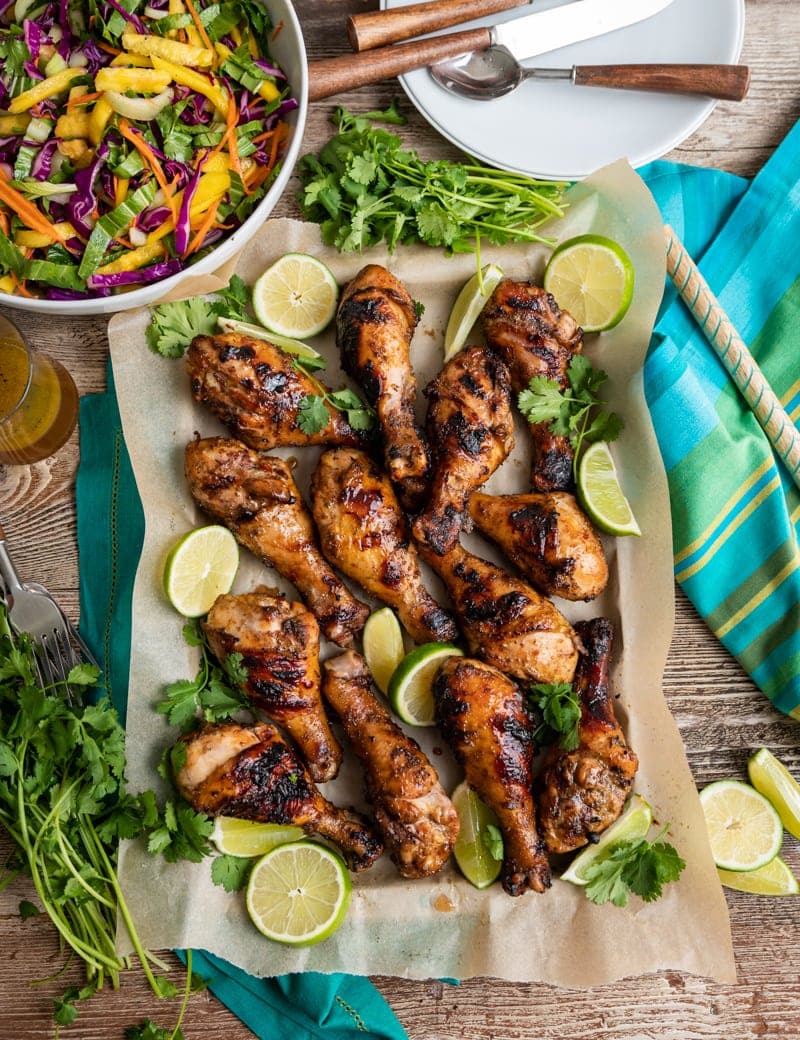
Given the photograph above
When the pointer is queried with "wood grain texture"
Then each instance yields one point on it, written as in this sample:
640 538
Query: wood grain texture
379 28
727 82
721 715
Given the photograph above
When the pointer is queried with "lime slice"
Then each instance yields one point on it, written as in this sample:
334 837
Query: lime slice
234 837
771 777
775 879
468 306
633 824
383 646
200 567
247 328
409 692
591 277
298 894
296 296
744 830
474 860
600 493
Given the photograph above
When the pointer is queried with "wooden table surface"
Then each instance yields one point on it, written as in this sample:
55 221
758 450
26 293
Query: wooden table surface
720 713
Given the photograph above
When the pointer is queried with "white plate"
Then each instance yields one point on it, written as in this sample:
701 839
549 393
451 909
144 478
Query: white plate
556 130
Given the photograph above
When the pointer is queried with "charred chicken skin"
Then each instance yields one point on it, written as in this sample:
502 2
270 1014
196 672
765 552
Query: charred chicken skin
374 325
255 496
256 391
582 792
505 621
365 534
471 430
483 717
534 337
413 814
250 772
548 537
279 644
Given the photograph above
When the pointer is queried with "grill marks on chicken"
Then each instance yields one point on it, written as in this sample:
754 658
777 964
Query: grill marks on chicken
471 429
548 537
279 644
414 815
484 719
365 534
582 792
374 326
506 622
534 337
254 389
255 496
250 772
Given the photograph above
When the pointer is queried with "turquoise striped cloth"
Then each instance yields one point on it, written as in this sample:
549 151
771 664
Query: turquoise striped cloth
735 510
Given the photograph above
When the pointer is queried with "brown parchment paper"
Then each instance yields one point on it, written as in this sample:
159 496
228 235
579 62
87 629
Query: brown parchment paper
406 928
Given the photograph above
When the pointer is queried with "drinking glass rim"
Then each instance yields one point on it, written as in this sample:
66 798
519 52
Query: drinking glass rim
29 356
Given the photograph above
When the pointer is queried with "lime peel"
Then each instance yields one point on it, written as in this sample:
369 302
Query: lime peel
382 640
600 492
775 879
593 278
474 860
247 838
410 693
200 566
771 778
249 328
466 310
296 296
634 823
744 830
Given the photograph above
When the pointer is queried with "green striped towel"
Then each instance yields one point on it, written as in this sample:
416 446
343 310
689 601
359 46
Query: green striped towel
735 510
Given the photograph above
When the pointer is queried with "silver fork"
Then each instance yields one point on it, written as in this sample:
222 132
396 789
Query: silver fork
32 609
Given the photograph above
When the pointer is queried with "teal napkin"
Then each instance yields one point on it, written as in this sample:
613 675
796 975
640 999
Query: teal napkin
310 1006
735 510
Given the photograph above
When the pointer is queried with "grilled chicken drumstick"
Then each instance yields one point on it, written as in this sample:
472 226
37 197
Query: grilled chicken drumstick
256 497
526 327
364 533
255 390
582 792
414 816
484 719
374 325
251 773
279 644
548 537
505 621
471 430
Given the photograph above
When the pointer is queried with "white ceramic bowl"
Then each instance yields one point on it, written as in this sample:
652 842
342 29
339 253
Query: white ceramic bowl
289 52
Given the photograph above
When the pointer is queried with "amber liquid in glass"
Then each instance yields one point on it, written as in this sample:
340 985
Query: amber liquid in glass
38 402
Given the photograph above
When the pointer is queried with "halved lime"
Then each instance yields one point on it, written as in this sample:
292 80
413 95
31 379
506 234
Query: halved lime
235 837
383 646
744 830
296 296
592 277
633 824
771 777
775 879
248 328
200 567
298 894
410 688
468 306
471 853
600 492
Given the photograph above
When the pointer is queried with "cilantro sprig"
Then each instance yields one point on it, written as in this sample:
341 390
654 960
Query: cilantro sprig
577 412
174 325
561 714
313 416
641 867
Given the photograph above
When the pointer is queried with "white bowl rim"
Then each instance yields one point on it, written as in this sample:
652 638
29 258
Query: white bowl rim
147 295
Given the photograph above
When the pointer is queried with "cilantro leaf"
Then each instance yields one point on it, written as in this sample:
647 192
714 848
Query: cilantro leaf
216 692
312 415
173 326
561 713
233 300
28 909
230 871
148 1030
640 866
392 114
492 839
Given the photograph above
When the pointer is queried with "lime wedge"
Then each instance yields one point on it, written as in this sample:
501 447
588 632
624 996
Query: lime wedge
200 567
235 837
298 894
744 830
771 777
633 824
468 306
410 688
600 492
591 277
247 328
296 296
383 646
775 879
471 852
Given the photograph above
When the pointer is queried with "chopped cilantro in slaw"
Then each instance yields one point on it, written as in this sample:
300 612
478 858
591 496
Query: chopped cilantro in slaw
133 137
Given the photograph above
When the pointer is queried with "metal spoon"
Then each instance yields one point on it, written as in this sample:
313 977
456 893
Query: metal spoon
491 73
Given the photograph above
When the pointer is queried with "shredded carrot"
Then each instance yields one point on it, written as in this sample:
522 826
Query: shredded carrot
265 136
203 229
30 215
5 225
84 99
20 286
199 25
108 48
230 127
146 152
278 30
124 242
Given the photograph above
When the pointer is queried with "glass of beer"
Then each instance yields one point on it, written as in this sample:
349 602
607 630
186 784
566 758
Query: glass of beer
38 400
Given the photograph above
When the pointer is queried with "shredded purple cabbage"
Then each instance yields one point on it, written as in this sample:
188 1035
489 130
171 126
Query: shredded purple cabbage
137 23
42 165
153 218
33 37
163 269
93 55
182 229
52 292
83 202
271 70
